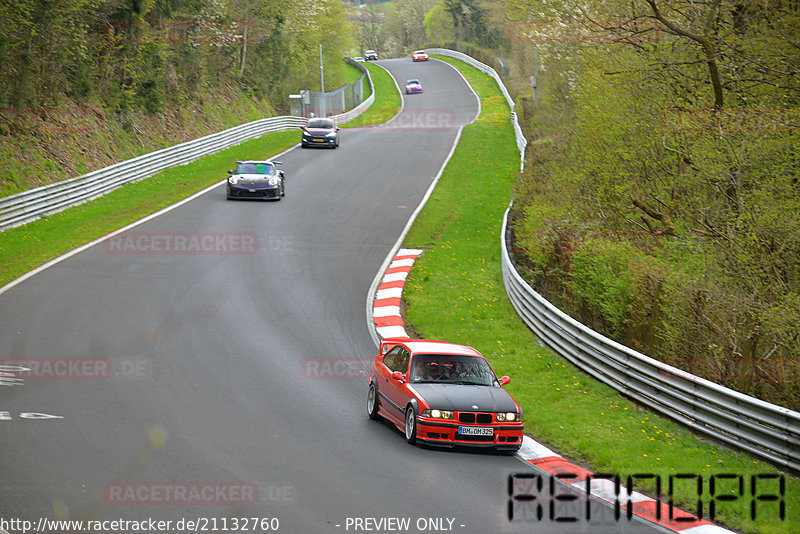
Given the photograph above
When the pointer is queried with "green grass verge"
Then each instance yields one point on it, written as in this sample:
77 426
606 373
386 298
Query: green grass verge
387 99
455 292
26 247
352 74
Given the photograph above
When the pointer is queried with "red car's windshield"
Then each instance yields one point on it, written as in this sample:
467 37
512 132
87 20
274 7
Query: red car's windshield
445 368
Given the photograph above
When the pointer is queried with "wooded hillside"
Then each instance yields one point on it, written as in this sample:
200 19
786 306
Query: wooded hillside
93 74
661 196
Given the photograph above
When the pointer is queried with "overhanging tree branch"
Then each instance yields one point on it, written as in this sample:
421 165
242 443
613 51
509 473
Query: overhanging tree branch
705 42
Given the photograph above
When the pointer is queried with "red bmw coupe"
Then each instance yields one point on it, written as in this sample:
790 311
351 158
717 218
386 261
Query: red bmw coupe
443 394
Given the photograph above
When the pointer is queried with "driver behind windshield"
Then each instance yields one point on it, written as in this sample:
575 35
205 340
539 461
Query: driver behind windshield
433 368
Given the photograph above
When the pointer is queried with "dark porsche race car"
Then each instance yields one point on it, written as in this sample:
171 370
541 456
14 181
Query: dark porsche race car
256 179
443 394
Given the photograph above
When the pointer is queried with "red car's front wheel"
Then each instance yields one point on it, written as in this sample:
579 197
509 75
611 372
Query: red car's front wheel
411 424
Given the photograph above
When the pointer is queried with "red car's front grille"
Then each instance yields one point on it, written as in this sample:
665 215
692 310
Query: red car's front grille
473 417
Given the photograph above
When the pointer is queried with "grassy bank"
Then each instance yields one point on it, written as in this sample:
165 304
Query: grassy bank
39 147
352 74
25 247
42 146
455 292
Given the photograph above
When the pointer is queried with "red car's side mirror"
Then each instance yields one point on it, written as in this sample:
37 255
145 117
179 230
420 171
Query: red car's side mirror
397 375
504 380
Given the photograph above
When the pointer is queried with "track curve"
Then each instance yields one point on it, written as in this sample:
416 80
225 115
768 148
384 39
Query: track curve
213 364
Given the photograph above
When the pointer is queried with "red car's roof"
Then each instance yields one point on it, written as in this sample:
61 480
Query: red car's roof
430 346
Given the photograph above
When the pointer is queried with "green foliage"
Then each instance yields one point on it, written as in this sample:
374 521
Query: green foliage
405 24
469 19
307 26
698 175
600 276
154 53
439 24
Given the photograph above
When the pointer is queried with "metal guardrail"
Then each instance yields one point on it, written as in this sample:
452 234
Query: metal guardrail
767 431
520 137
33 204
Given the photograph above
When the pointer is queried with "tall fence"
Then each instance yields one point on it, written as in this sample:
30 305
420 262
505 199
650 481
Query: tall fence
33 204
334 102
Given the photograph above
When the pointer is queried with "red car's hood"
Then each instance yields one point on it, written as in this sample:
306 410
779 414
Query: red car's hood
465 398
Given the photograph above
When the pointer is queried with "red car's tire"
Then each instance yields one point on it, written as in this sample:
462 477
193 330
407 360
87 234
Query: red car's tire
411 424
372 403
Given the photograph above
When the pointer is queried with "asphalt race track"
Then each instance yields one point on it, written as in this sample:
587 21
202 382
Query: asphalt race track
222 382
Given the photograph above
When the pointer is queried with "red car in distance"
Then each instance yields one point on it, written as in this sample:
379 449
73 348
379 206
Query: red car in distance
443 394
419 55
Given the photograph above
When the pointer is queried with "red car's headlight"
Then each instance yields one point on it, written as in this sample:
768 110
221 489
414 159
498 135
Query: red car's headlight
437 414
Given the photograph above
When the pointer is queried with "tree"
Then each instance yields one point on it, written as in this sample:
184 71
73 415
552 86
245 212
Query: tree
370 21
439 24
406 22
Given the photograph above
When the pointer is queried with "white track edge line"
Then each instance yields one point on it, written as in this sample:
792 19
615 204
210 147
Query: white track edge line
478 98
396 247
393 251
399 92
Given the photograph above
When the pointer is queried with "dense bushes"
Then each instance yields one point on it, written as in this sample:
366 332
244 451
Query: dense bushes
660 204
152 54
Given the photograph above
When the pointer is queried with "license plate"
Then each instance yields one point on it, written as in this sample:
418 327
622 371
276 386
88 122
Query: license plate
252 190
475 431
319 140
